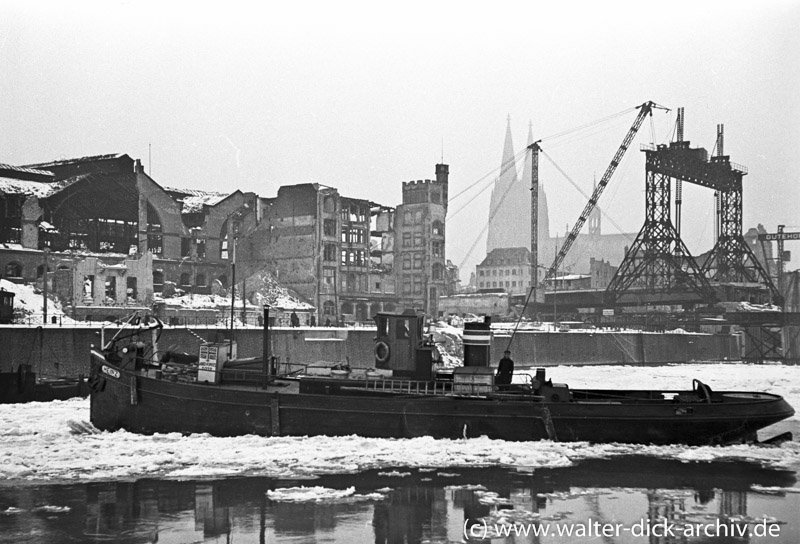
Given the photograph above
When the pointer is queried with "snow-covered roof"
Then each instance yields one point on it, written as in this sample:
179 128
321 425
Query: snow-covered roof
38 189
570 277
93 158
25 170
193 200
10 186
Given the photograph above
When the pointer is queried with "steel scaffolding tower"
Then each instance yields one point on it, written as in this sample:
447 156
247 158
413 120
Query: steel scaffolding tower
658 262
732 260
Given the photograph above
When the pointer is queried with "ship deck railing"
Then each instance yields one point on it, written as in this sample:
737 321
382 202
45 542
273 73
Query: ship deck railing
399 385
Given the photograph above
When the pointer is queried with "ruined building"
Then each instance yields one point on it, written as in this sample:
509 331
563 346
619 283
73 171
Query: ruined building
112 239
106 235
353 258
318 244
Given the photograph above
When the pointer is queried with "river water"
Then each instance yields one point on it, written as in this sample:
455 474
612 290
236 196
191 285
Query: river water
57 486
636 499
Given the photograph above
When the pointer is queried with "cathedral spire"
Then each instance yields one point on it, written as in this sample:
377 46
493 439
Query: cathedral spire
508 155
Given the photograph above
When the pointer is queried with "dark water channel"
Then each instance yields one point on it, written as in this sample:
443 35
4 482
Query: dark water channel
636 499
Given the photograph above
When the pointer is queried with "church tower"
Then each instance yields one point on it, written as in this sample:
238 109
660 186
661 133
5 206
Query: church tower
510 204
510 208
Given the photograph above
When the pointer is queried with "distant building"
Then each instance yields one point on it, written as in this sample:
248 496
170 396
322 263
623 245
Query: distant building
506 268
570 282
509 224
510 207
491 304
354 258
601 272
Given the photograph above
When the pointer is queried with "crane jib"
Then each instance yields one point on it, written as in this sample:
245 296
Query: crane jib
644 110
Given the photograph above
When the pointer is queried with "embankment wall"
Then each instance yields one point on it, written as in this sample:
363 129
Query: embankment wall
65 350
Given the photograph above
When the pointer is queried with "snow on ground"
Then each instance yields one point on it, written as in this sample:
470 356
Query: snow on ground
36 443
29 304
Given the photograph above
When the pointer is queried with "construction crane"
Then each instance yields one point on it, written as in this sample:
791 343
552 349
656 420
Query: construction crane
644 110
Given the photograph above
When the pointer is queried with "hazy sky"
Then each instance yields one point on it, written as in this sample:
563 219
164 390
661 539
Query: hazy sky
364 95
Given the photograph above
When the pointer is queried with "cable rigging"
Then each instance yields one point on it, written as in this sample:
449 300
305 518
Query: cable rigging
644 110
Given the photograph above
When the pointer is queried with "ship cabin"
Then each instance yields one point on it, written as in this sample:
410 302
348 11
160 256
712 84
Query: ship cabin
401 346
6 306
405 358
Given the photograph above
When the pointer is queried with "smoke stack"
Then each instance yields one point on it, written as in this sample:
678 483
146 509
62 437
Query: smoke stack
477 342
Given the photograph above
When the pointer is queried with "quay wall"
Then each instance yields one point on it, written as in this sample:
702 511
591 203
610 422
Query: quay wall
64 351
550 349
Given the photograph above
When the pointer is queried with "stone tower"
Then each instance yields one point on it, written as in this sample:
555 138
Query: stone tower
419 226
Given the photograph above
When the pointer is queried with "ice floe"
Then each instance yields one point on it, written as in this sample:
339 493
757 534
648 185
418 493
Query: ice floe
320 494
37 441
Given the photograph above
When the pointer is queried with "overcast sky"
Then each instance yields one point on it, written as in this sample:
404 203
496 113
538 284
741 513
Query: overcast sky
363 96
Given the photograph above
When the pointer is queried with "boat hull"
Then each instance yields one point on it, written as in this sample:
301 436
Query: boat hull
126 400
20 387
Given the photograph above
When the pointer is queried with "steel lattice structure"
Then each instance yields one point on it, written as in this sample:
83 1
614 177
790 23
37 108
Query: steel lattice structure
732 260
658 261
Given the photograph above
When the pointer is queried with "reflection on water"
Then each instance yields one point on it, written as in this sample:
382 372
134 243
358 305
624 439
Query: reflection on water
422 506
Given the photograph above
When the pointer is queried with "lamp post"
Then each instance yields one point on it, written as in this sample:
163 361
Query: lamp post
44 286
233 285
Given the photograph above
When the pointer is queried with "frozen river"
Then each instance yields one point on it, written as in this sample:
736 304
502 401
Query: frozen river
56 486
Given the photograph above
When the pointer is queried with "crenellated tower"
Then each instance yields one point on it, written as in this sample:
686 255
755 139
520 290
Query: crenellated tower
420 242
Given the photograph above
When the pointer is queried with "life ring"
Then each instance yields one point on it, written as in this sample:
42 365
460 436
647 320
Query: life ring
382 352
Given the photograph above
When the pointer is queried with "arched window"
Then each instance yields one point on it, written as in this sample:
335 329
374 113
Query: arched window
200 280
361 312
40 271
374 308
347 307
328 308
223 280
186 280
328 204
13 270
389 307
437 228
